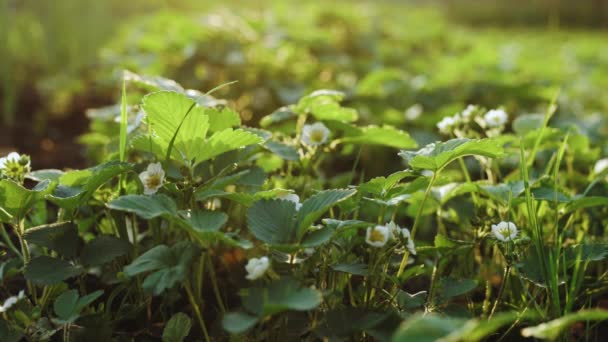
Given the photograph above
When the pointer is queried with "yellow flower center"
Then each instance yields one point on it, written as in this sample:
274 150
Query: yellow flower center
317 136
505 232
153 182
376 236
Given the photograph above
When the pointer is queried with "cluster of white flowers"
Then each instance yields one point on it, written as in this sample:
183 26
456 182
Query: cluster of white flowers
15 166
448 123
257 267
153 178
292 198
315 134
10 301
504 231
379 235
495 118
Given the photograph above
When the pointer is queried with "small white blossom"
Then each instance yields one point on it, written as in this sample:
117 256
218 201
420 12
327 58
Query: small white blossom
468 112
256 267
496 118
413 112
377 236
447 124
153 178
10 301
504 231
309 251
410 242
315 134
600 166
292 198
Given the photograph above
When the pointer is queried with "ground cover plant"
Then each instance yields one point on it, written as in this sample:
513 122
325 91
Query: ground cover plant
352 173
196 227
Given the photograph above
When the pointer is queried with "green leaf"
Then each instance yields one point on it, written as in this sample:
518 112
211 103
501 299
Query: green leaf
104 249
65 305
178 328
586 202
46 174
60 237
426 328
68 306
272 221
238 322
281 295
147 207
171 266
451 287
317 237
384 136
16 201
411 301
344 322
525 124
355 269
222 119
315 206
325 105
44 270
284 151
438 155
205 220
552 330
76 187
221 142
176 120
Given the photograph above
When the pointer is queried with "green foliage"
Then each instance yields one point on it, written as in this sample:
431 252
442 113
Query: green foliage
177 328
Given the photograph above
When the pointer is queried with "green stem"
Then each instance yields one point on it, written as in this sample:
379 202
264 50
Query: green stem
197 312
9 242
216 289
406 255
500 290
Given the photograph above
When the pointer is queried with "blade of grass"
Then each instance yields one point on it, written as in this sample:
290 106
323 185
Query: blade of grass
123 123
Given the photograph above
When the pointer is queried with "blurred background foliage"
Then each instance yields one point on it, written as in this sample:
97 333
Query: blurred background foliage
402 63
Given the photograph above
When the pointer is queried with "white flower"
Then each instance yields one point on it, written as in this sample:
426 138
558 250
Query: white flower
446 124
315 134
10 301
257 267
413 112
600 166
394 229
292 198
152 178
467 112
12 157
377 236
309 251
496 118
410 242
504 231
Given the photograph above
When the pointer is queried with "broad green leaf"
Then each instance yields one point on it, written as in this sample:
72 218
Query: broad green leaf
525 124
238 322
205 220
65 306
280 115
426 328
147 207
317 237
104 249
46 174
356 268
221 142
44 270
281 295
411 301
344 322
221 119
170 265
315 206
16 201
76 187
325 105
60 237
178 328
284 151
272 221
450 287
586 202
380 185
436 156
176 119
384 136
503 191
552 330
